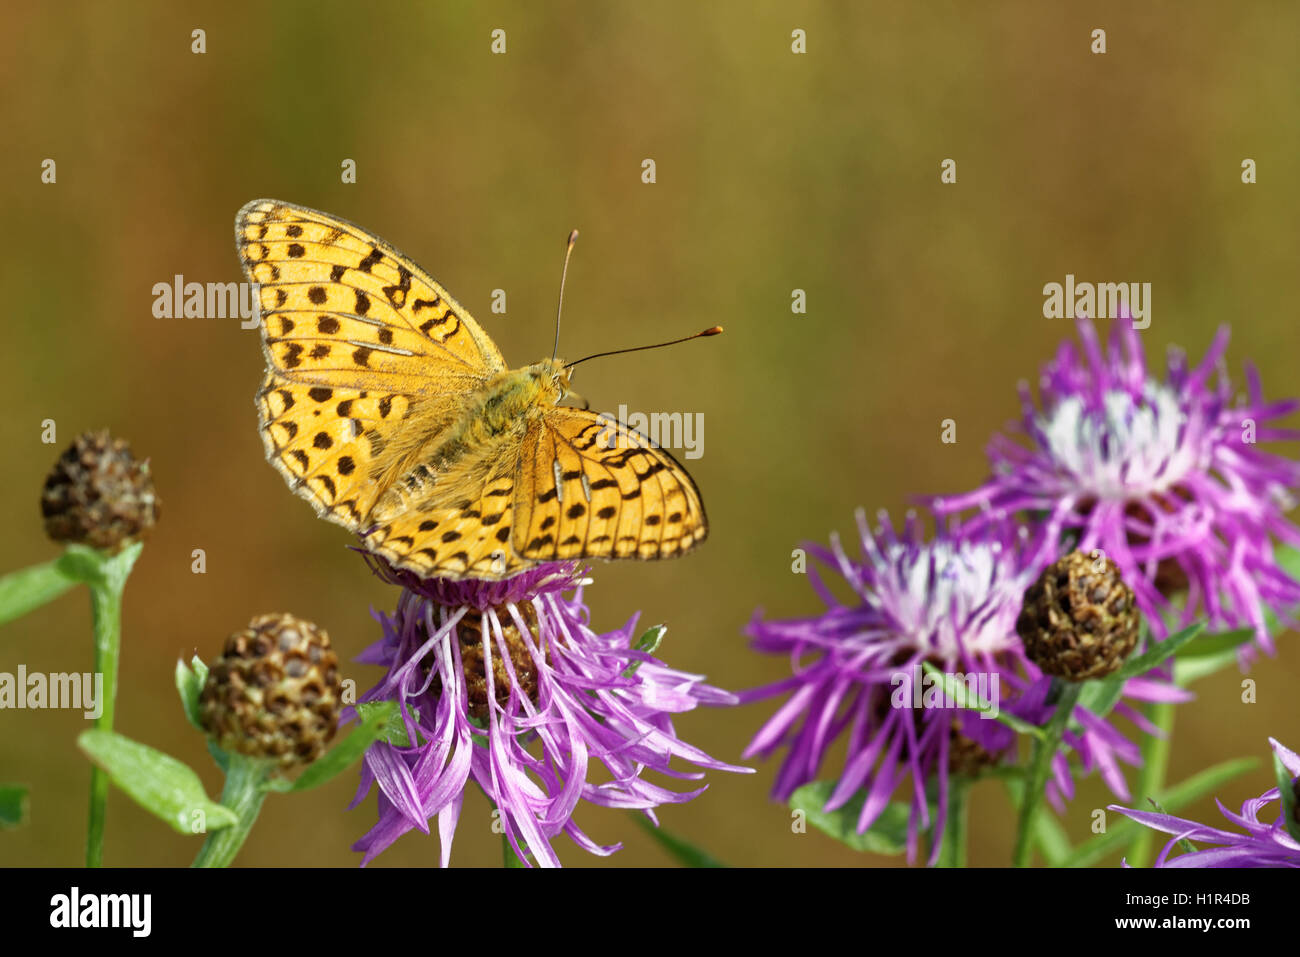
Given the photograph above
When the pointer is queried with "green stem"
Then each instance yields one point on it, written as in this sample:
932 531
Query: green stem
686 853
1040 764
508 856
244 793
1151 779
953 853
106 577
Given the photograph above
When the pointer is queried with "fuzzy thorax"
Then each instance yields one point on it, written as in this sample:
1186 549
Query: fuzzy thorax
497 413
509 397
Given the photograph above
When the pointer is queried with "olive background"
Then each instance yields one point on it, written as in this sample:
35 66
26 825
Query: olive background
775 171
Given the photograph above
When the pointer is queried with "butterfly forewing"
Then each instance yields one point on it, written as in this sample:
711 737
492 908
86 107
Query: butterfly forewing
354 334
339 286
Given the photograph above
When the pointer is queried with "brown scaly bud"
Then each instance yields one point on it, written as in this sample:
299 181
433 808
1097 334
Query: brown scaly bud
274 692
469 633
1079 620
99 495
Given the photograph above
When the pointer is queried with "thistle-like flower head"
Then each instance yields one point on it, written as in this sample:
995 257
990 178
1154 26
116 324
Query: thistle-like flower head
1163 475
506 684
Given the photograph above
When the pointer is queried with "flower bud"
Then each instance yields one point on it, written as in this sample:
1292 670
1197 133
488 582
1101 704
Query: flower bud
97 494
1079 620
274 692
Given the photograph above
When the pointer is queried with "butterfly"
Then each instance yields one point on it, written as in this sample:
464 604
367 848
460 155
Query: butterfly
390 410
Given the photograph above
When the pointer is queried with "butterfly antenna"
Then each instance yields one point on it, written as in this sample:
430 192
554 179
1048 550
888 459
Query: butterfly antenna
568 250
711 331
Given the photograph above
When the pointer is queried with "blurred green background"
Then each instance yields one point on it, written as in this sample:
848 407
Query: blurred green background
775 171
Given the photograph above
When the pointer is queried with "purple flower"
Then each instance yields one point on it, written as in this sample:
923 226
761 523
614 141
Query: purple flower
506 683
951 601
1263 845
1162 475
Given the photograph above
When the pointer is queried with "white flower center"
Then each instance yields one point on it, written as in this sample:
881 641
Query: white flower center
950 597
1127 449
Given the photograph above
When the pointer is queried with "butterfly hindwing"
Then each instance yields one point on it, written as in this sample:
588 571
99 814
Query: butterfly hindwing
462 529
590 487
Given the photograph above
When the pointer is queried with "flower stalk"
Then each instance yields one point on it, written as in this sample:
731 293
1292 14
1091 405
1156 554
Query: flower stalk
1151 779
244 792
956 834
106 577
1040 762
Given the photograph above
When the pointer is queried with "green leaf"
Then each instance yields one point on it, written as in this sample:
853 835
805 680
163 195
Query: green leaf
1211 653
189 684
157 782
1049 835
887 835
1051 838
682 850
1158 651
649 643
390 713
1180 795
83 563
957 692
376 721
1214 645
1121 829
13 805
1286 785
1187 670
29 588
1100 697
1288 557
